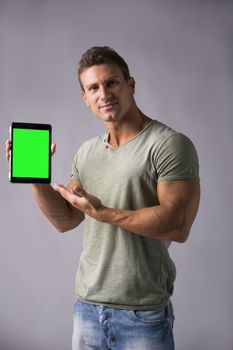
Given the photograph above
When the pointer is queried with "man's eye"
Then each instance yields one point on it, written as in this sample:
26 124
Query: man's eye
93 88
112 83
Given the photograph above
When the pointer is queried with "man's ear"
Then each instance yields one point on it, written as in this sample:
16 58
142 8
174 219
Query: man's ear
85 98
132 84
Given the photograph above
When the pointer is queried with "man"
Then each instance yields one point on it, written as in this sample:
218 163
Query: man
137 187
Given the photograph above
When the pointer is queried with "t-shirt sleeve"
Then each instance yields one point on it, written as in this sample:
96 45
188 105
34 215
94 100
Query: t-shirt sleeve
75 171
177 159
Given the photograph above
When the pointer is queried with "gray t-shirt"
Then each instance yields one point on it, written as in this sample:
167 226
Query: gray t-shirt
119 268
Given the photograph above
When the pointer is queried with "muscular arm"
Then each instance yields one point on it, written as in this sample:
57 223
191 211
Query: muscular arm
59 212
170 220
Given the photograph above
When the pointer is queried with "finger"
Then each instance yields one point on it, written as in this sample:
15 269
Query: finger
61 189
53 148
58 187
8 149
8 145
66 193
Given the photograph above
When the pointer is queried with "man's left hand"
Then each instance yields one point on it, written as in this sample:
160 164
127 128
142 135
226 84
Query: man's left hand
80 199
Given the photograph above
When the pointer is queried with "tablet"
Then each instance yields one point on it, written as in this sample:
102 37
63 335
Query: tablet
30 153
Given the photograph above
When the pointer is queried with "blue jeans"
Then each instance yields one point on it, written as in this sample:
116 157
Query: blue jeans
104 328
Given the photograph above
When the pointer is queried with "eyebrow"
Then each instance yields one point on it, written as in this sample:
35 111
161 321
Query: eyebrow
112 77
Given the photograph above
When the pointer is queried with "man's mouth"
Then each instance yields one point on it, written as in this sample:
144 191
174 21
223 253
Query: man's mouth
108 105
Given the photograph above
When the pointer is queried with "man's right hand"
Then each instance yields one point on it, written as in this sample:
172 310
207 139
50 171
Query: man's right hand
59 212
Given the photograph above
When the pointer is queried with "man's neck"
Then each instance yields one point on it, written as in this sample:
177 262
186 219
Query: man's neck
123 131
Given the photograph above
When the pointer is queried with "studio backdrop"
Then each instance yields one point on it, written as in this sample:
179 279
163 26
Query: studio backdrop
180 54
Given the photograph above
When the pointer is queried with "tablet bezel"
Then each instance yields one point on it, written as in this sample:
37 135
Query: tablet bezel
34 126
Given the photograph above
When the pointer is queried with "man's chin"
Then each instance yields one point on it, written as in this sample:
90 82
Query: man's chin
107 118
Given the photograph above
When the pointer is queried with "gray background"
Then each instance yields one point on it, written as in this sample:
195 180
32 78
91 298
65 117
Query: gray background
180 53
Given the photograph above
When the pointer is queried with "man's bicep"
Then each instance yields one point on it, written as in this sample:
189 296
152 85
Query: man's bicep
176 190
182 198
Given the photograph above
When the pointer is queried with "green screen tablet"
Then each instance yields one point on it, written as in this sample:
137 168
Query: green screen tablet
30 153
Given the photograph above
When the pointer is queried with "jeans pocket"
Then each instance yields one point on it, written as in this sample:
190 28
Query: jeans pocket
150 316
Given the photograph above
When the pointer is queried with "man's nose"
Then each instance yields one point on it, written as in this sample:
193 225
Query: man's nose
104 93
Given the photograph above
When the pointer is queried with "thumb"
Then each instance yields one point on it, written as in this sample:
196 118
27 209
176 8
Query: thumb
53 148
78 189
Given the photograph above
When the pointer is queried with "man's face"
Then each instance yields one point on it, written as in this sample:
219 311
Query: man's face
106 92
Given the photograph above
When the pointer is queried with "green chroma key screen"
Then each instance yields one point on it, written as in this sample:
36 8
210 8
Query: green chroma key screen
31 155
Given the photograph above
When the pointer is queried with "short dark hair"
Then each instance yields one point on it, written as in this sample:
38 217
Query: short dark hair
100 55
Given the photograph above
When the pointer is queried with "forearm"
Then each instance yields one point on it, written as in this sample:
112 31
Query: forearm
170 220
158 222
58 211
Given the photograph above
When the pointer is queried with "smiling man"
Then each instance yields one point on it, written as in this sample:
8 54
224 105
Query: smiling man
137 188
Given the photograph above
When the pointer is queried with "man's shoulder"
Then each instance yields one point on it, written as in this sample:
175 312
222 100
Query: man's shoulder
162 129
158 133
165 139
